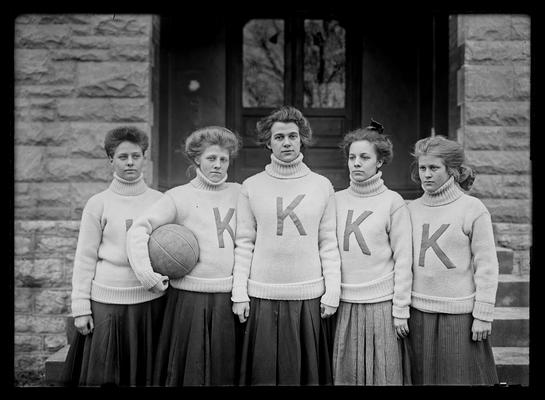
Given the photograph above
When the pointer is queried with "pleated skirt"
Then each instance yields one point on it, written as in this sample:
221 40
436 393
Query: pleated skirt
366 350
200 341
286 342
443 353
120 350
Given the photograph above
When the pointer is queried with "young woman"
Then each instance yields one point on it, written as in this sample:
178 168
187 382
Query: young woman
287 265
116 316
198 342
374 236
455 271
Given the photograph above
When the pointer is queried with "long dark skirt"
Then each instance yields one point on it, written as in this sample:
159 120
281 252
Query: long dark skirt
287 343
200 340
443 353
366 350
120 350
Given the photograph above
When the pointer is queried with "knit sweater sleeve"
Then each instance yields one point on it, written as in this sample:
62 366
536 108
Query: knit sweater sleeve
485 265
329 252
401 244
162 212
86 258
244 247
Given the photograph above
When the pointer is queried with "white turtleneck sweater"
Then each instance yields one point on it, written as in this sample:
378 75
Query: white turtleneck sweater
455 266
286 242
206 208
375 242
101 269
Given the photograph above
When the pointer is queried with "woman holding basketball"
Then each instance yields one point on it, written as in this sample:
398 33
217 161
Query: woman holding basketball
198 343
286 279
116 317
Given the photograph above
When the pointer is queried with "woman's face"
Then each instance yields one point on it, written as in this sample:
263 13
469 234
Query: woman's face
285 141
362 160
432 172
214 162
128 161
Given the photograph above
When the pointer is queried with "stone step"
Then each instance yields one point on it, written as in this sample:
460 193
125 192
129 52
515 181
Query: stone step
512 365
511 327
513 291
54 366
506 259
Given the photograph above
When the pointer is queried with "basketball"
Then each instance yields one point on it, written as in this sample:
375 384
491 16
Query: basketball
173 250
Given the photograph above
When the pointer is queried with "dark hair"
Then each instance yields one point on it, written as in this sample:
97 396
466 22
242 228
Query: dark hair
284 114
125 134
452 154
373 134
199 140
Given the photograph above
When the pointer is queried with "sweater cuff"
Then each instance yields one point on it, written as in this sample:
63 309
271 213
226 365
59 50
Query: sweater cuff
483 311
400 312
331 298
239 294
81 307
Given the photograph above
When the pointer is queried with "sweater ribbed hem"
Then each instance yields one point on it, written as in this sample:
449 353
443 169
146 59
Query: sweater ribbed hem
287 291
369 187
287 170
380 289
128 188
445 194
446 305
483 311
207 285
202 182
121 295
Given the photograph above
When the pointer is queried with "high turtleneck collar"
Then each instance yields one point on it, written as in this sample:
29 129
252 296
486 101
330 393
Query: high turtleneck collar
369 187
128 188
287 170
445 194
202 182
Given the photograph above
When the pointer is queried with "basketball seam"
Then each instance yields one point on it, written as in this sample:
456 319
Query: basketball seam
168 254
189 244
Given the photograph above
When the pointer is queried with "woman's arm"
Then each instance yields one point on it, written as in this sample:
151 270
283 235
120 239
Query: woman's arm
162 212
85 260
329 253
245 237
402 248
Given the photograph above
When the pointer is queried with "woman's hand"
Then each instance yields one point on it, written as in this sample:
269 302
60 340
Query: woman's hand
327 311
401 326
84 324
242 309
481 329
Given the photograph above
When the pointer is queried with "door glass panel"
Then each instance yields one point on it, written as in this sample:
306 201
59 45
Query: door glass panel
263 63
325 64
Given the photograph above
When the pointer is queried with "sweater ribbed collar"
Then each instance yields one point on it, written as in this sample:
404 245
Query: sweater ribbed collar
287 170
128 188
369 187
445 194
203 183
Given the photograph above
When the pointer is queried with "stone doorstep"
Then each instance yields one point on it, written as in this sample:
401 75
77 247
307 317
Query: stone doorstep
512 364
513 291
511 355
511 327
511 313
54 366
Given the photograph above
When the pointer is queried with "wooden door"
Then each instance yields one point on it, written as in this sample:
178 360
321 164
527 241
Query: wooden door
308 61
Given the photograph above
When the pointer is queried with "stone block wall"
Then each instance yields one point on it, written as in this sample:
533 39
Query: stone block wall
490 115
76 77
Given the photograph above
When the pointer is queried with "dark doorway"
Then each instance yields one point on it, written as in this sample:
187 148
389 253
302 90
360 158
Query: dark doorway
339 69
